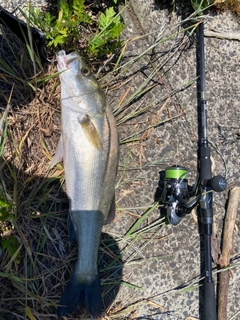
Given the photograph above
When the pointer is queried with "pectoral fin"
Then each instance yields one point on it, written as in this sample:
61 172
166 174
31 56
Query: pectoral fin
91 132
59 153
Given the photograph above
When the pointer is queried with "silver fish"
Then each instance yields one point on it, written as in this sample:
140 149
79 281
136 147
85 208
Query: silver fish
89 147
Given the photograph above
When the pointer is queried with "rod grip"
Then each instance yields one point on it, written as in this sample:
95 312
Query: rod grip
210 311
205 164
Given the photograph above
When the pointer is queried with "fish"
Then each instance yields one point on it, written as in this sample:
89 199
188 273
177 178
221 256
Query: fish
89 146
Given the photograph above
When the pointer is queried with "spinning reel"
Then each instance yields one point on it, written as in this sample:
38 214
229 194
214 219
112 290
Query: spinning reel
178 197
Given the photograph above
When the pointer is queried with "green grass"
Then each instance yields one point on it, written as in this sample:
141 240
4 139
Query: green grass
72 22
36 272
33 200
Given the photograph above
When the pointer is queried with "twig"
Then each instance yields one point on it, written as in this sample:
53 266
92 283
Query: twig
222 35
227 250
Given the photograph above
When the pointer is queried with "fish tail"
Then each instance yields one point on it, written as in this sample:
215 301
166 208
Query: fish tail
86 295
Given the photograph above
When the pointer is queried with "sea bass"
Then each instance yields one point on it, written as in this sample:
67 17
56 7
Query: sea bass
89 147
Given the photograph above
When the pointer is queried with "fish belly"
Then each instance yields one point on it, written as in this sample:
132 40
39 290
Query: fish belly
83 165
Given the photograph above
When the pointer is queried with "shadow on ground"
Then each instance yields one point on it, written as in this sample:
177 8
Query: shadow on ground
46 259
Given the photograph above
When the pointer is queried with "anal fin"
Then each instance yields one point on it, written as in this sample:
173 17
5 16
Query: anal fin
59 153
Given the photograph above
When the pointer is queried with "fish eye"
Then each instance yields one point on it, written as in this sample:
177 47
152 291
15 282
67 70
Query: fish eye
86 71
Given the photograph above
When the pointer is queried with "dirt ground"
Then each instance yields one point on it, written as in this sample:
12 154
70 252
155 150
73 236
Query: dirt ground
151 271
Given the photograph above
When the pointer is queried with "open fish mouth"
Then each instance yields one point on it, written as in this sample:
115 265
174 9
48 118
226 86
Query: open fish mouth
64 60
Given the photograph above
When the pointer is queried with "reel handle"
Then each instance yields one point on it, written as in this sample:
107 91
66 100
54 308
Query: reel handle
217 183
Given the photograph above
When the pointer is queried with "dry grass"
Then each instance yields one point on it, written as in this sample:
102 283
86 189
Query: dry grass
231 5
32 281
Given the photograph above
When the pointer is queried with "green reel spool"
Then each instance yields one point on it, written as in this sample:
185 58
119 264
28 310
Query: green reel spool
176 172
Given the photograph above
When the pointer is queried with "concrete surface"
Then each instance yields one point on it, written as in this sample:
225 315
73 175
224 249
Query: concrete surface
173 142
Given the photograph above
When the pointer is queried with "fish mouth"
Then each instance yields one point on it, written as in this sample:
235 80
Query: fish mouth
64 60
69 61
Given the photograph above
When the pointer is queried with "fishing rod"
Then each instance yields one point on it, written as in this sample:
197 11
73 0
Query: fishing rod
179 198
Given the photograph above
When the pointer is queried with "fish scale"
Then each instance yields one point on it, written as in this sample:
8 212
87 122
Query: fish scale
90 150
86 166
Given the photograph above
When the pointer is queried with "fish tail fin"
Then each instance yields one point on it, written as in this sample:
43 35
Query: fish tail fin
87 296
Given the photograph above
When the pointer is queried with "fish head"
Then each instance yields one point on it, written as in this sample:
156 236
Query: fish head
69 62
80 82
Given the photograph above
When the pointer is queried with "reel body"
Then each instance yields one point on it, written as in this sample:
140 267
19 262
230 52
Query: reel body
175 192
178 197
